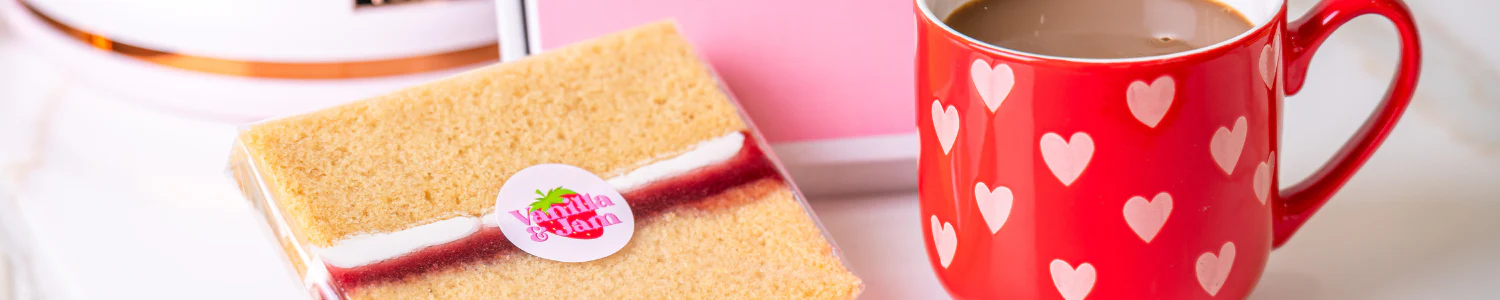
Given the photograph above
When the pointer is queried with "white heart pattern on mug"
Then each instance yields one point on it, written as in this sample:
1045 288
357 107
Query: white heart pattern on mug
1073 284
1149 103
993 84
1213 270
1227 144
994 205
945 239
945 124
1067 159
1268 64
1262 181
1280 61
1146 218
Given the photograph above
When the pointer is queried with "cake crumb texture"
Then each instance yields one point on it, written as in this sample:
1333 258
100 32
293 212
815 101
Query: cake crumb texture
444 149
754 241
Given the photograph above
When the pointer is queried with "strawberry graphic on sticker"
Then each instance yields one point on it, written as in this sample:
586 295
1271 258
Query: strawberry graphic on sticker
558 212
568 210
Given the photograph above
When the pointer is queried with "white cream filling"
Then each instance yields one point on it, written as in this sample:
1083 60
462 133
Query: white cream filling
364 249
704 154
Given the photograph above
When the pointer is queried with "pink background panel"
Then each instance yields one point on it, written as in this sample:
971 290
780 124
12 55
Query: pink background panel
804 70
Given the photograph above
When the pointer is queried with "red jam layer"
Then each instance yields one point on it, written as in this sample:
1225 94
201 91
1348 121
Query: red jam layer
749 165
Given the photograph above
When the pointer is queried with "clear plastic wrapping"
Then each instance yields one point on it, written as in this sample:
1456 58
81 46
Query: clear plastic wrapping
618 167
16 276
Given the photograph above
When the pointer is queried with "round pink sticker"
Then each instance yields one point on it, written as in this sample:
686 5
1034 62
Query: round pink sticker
563 213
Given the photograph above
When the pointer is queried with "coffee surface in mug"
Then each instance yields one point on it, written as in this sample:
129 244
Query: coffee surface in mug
1098 28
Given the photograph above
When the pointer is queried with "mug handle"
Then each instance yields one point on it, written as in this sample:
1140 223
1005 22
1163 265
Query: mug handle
1297 203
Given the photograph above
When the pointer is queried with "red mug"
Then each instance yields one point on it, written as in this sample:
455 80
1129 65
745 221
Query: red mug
1140 178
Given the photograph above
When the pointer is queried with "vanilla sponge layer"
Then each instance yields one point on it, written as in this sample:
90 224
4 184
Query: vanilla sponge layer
754 241
442 150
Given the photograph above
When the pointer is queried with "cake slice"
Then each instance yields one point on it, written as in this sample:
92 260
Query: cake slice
395 197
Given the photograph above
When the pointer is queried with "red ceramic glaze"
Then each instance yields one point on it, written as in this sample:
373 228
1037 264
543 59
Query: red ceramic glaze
1146 178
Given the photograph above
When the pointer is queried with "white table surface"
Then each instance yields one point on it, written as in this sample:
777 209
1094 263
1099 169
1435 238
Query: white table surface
128 202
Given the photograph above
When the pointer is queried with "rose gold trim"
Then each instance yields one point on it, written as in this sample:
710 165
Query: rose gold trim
279 70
